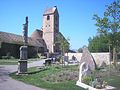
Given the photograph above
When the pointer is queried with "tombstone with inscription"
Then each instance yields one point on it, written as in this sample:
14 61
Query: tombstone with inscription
22 63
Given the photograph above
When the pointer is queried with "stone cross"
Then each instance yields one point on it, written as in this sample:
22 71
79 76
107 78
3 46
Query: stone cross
25 32
22 63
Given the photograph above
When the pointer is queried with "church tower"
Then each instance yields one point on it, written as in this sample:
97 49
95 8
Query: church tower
51 28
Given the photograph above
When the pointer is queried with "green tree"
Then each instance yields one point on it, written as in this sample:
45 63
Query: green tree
109 25
98 43
79 50
63 43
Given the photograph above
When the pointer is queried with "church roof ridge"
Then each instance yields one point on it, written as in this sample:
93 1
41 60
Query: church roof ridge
17 39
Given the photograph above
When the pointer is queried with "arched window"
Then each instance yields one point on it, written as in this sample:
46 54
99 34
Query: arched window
48 17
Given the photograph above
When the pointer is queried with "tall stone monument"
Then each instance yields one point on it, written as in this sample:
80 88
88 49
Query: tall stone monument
87 66
88 58
22 63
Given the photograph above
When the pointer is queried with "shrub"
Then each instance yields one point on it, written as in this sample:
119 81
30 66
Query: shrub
8 57
11 57
5 57
86 80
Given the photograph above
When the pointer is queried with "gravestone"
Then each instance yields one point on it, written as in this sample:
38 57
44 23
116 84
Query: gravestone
22 63
87 65
84 71
88 58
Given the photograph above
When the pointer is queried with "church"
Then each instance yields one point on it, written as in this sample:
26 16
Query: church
41 41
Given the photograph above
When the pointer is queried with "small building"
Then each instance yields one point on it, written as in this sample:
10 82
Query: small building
10 44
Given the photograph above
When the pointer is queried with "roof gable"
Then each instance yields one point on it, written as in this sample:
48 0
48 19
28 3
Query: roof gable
50 10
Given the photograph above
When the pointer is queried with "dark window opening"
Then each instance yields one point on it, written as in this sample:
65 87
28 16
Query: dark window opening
48 17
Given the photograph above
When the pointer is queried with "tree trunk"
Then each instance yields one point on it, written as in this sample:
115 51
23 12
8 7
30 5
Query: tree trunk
114 57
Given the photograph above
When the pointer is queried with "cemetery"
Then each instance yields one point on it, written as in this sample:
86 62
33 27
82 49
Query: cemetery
87 68
44 59
78 77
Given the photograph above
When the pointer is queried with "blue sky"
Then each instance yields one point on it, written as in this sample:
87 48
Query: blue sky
75 17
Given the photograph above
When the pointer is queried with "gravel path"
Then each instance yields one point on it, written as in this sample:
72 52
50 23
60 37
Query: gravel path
7 83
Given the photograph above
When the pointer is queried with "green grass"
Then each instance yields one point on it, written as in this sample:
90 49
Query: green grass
8 61
114 81
36 77
48 78
13 61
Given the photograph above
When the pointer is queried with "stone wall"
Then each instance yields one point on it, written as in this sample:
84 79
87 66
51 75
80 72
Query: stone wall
98 57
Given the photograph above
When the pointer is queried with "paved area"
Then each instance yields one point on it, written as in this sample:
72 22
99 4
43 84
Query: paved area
7 83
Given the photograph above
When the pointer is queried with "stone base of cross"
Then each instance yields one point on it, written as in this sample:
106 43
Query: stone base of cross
22 63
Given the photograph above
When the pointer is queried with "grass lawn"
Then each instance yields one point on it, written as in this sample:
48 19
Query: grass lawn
8 61
13 61
114 81
58 78
48 78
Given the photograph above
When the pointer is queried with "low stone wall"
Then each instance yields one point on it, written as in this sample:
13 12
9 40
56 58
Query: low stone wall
98 57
